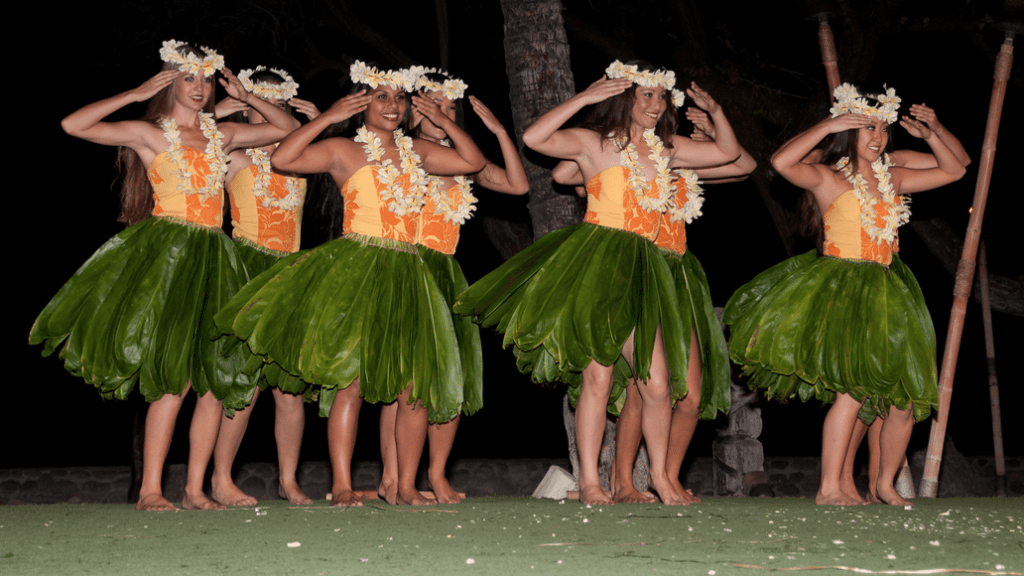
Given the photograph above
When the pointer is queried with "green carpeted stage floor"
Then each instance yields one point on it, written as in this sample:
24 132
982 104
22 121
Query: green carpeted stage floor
518 535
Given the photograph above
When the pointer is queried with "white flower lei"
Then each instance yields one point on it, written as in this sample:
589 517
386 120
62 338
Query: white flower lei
690 211
850 101
664 78
400 201
629 158
461 213
261 160
286 90
898 213
214 154
360 73
190 63
452 88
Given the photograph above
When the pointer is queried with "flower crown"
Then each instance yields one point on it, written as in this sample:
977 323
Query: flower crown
452 88
664 78
849 101
190 63
369 75
287 89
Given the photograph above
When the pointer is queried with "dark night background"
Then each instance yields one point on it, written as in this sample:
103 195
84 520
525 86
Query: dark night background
66 208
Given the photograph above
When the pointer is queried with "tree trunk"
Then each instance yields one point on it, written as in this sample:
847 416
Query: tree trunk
537 63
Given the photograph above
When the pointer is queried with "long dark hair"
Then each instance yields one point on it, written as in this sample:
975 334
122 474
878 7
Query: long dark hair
136 191
615 115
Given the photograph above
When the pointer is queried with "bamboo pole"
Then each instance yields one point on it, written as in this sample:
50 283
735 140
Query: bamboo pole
828 53
965 271
993 380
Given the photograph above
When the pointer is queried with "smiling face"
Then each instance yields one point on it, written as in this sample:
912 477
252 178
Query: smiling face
872 139
649 105
427 128
193 90
386 109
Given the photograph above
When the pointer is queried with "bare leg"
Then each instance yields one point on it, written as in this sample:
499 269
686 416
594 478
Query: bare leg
846 483
289 423
590 420
874 455
627 444
160 421
835 439
202 437
893 440
657 421
341 443
229 439
388 489
410 435
684 421
441 439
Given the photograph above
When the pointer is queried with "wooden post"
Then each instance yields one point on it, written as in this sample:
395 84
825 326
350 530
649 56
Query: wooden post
993 380
828 53
965 271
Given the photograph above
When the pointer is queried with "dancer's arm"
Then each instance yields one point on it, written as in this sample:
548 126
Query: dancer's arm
462 158
298 154
724 149
788 159
546 136
913 159
87 122
704 131
512 178
279 123
949 169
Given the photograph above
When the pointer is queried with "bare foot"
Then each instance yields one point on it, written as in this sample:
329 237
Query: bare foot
200 502
291 492
892 497
443 491
626 493
850 491
594 496
836 499
873 498
686 494
345 497
668 493
388 491
155 502
414 498
230 495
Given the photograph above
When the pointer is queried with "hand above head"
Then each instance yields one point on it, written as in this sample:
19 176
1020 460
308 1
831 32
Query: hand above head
229 106
915 128
347 107
305 107
150 87
233 86
926 115
702 99
604 89
429 109
703 129
845 122
486 116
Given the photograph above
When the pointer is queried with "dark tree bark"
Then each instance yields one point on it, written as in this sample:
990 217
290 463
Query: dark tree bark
537 63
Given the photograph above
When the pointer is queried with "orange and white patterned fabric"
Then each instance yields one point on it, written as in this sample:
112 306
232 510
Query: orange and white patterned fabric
368 214
277 228
174 201
434 232
672 235
846 238
612 204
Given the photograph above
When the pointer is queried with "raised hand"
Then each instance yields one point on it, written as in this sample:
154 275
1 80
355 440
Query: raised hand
702 99
150 87
703 129
924 114
486 116
915 128
605 88
348 106
845 122
229 106
429 109
233 86
305 107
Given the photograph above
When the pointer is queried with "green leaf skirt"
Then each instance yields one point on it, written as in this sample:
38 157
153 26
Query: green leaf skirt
574 296
817 326
140 310
356 307
452 282
258 260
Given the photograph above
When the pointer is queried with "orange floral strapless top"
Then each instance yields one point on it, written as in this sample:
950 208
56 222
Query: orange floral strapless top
434 232
672 235
176 197
266 209
845 237
611 203
367 213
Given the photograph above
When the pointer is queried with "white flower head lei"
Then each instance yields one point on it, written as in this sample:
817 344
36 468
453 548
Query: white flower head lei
214 154
467 201
285 90
189 62
452 88
360 73
629 158
898 212
850 101
690 210
664 78
400 201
